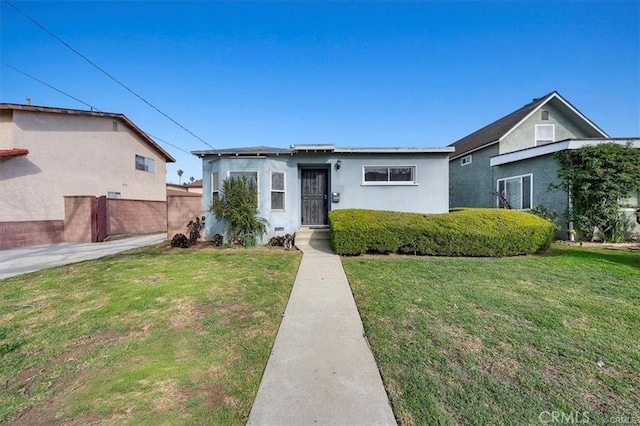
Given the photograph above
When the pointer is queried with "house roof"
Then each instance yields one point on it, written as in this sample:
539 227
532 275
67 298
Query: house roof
496 131
195 184
14 152
315 148
111 115
178 193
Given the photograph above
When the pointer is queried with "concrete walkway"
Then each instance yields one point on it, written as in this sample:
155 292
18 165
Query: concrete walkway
321 370
28 259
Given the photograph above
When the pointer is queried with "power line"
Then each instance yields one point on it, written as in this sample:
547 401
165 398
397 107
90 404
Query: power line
104 72
84 103
48 85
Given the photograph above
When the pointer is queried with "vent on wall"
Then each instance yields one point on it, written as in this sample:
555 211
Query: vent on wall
279 228
545 115
114 126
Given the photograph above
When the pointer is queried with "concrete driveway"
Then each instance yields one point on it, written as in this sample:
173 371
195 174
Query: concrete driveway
28 259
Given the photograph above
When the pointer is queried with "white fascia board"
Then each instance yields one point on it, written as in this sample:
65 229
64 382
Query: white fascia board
529 115
455 157
556 147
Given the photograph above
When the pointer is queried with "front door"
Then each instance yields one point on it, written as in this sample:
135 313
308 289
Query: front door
314 196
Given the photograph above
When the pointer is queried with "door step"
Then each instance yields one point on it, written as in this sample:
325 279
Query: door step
304 235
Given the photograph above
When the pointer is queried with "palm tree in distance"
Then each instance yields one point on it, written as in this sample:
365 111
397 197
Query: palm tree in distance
180 172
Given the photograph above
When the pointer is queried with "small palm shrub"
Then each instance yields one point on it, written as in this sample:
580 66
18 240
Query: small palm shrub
237 208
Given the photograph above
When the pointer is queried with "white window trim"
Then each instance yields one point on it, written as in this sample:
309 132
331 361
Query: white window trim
389 183
283 190
213 188
466 157
553 134
530 175
147 161
257 172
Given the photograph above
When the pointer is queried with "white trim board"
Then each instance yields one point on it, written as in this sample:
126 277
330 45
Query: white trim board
556 147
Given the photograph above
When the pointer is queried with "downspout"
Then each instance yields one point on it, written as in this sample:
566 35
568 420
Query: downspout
572 232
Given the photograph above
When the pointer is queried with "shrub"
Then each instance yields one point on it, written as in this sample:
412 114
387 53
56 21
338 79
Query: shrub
462 232
180 240
194 229
237 208
286 241
217 240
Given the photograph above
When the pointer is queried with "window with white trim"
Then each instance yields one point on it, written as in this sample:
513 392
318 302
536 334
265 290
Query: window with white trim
144 164
545 133
389 175
632 201
516 192
277 190
466 160
215 185
251 175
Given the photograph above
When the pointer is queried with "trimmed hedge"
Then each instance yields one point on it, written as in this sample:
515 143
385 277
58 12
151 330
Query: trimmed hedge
462 232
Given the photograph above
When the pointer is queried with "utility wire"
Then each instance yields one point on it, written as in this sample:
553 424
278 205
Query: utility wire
84 103
104 72
48 85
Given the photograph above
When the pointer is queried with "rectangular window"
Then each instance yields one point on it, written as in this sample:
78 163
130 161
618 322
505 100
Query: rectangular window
215 185
145 164
545 133
114 126
516 192
466 160
277 191
632 201
383 175
113 194
544 116
251 175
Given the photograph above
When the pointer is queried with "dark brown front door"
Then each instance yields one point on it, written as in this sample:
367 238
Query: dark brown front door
314 196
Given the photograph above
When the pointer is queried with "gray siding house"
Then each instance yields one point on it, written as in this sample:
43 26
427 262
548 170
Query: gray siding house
511 160
297 187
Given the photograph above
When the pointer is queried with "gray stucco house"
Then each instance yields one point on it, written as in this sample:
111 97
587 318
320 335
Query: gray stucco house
298 186
513 156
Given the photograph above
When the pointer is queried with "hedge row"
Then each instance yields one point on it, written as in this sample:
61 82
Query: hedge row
462 232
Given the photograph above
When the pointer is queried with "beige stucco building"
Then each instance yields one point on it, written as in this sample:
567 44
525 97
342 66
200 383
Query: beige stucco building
49 153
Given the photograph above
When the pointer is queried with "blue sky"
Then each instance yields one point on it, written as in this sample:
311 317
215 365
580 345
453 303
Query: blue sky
349 73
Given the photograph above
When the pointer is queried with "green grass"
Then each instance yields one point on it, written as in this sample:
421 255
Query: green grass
155 336
500 341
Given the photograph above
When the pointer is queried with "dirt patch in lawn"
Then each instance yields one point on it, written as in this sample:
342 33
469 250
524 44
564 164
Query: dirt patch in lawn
50 410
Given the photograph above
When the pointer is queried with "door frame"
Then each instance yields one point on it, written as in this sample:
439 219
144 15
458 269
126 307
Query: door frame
311 166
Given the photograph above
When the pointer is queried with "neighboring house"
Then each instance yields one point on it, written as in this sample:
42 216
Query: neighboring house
49 153
194 187
513 157
298 186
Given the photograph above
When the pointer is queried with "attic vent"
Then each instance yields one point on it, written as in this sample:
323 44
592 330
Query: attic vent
545 115
114 126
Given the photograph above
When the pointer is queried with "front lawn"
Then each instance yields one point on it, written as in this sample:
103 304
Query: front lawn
505 340
155 336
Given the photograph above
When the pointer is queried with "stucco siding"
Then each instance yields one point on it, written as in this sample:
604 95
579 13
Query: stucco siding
471 185
6 130
524 135
428 195
73 155
544 171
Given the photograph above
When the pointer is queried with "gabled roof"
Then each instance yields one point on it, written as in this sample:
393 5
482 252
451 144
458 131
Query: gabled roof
500 128
115 116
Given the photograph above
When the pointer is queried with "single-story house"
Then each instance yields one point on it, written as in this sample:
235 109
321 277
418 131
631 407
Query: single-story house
49 153
298 186
511 160
193 188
